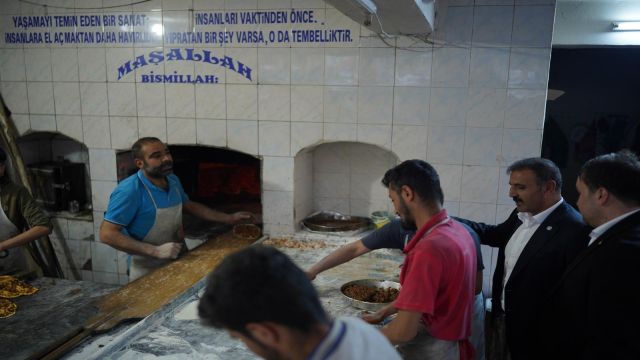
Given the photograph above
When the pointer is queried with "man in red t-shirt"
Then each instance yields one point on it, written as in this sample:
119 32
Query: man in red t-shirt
435 305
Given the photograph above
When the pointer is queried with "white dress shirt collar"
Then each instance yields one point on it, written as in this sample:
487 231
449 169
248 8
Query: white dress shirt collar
597 232
530 220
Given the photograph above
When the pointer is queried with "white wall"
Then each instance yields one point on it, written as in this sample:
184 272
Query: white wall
589 23
469 102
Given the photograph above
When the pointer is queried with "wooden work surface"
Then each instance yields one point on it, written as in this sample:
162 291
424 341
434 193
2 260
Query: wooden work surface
151 292
147 294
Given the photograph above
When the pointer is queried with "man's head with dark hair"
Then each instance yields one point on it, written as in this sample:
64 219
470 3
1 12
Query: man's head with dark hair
413 177
136 148
544 169
258 290
608 182
153 157
534 184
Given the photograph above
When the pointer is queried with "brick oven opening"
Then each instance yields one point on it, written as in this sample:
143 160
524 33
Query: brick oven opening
222 179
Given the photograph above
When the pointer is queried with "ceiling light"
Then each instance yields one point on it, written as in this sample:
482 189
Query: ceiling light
626 26
368 5
157 29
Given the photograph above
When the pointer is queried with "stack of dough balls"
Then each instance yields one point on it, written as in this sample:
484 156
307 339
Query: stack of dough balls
10 288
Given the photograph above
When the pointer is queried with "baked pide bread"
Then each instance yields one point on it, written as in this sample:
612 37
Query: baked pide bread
7 308
10 287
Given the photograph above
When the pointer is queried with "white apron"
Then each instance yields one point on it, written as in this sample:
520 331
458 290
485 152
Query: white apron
15 259
165 229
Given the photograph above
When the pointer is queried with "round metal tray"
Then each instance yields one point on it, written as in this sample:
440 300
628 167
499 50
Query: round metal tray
365 305
332 221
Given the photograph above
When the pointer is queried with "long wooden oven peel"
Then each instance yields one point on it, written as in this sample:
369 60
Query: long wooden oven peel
149 293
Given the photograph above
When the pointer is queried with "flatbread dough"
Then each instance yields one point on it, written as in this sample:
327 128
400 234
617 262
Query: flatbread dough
7 308
10 287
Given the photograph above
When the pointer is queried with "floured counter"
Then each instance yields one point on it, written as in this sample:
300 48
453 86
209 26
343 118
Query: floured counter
176 332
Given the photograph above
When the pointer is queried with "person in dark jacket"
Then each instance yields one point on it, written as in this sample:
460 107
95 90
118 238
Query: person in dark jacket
536 243
594 311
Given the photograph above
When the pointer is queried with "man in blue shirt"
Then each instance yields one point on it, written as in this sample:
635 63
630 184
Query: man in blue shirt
144 216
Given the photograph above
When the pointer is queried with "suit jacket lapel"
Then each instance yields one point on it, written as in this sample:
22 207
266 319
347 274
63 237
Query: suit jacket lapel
603 239
540 237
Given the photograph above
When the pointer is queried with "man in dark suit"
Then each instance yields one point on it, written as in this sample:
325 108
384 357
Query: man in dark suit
536 243
595 309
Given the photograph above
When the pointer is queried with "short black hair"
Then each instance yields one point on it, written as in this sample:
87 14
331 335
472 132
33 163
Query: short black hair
544 169
3 156
418 175
136 148
617 172
260 284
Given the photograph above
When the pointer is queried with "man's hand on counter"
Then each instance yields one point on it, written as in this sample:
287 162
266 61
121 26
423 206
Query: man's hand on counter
168 251
241 216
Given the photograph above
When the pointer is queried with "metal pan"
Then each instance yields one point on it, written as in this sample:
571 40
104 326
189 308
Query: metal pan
332 221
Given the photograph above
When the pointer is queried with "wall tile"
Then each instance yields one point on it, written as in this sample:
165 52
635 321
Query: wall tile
520 143
277 173
248 57
12 65
211 132
43 122
482 146
277 207
211 101
242 102
485 107
411 105
448 106
97 133
102 163
479 184
529 68
413 68
305 134
489 67
38 63
181 131
445 144
341 66
307 103
375 134
374 66
274 102
243 136
484 213
450 67
334 185
339 132
67 98
456 25
274 137
22 123
150 99
503 188
100 192
94 99
15 97
525 108
450 180
153 126
492 25
181 100
340 104
41 99
122 99
65 64
124 132
274 65
307 66
533 26
92 64
409 142
103 259
71 126
375 105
